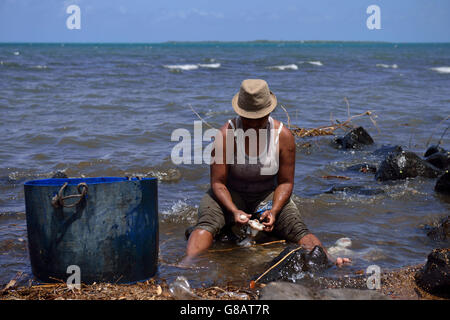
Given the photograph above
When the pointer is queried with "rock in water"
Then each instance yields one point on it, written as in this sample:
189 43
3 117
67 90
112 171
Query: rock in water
433 149
442 231
405 165
440 160
385 150
292 261
435 275
294 291
355 138
59 175
443 184
355 190
363 167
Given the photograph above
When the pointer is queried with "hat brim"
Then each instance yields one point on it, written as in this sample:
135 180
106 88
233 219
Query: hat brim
254 114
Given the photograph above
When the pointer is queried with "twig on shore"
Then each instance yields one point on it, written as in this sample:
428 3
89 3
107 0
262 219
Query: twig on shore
443 134
12 283
335 124
329 130
287 114
348 106
200 117
253 245
336 177
434 131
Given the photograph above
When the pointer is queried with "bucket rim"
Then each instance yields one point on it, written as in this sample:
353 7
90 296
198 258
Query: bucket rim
75 181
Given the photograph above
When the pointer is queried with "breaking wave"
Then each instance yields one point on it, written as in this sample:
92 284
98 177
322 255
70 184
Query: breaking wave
187 67
441 69
210 65
315 63
284 67
386 66
179 212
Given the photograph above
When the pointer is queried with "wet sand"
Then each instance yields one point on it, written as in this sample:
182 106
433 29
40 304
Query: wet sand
397 284
400 284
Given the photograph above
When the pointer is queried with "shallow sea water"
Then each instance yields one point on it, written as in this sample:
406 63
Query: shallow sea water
109 110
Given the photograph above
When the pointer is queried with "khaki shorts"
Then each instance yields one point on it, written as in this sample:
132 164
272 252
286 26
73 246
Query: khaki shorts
213 217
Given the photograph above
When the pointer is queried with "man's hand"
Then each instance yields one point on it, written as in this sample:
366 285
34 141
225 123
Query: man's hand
342 261
239 217
270 217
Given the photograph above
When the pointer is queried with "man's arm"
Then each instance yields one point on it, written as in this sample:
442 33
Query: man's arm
286 171
219 173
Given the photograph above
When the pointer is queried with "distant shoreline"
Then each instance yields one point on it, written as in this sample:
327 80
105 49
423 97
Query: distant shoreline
213 42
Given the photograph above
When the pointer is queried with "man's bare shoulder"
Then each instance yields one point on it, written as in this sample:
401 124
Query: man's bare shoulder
223 129
286 136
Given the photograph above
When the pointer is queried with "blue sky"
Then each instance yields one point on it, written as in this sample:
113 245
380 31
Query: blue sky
230 20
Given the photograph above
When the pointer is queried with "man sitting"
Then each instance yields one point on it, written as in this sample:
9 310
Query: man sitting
247 172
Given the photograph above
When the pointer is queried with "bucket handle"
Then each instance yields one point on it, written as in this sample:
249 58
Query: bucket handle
129 178
58 199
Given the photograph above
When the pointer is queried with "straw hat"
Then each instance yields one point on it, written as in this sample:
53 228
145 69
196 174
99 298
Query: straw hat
254 99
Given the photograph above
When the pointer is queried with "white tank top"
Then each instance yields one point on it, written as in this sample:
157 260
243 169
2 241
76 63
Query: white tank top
253 174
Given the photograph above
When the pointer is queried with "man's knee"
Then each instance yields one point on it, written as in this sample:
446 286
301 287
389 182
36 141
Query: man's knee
210 215
290 224
309 241
200 234
199 241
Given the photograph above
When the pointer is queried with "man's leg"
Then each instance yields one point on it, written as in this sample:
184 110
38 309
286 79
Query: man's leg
199 241
309 241
289 225
211 219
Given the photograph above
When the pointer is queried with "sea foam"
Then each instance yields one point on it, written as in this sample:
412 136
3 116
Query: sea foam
187 67
341 248
441 69
386 66
182 66
210 65
315 63
285 67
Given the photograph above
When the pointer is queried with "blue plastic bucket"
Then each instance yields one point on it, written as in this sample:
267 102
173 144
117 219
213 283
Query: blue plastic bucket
108 227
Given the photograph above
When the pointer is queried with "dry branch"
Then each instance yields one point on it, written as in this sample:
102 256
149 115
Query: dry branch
329 130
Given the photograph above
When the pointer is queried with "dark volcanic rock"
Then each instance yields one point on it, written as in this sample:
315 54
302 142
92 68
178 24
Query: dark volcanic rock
442 231
292 261
293 291
363 167
433 149
354 139
435 275
385 150
405 165
59 175
443 184
355 189
440 160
